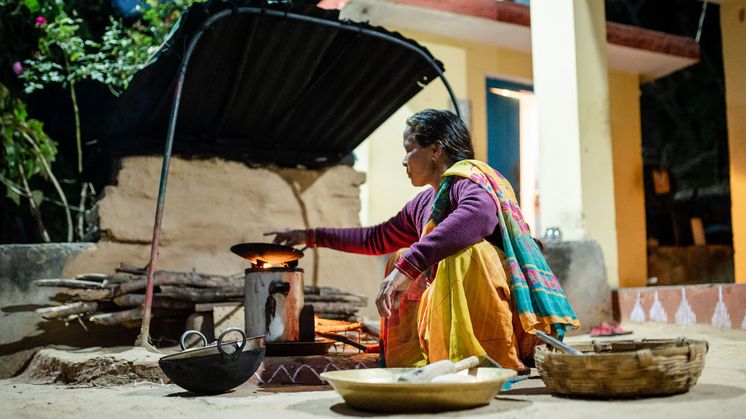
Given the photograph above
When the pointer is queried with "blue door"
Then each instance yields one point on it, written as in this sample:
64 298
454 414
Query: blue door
503 130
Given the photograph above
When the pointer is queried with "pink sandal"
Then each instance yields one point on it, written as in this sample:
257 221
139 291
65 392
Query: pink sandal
609 329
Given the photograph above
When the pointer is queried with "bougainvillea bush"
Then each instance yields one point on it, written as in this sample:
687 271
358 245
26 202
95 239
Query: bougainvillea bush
62 43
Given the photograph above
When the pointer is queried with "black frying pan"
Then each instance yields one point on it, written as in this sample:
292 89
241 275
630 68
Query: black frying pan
267 252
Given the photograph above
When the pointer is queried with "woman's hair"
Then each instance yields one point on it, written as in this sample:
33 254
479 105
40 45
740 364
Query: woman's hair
433 126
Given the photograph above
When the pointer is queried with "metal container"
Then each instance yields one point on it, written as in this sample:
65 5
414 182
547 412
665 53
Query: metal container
273 299
379 389
215 368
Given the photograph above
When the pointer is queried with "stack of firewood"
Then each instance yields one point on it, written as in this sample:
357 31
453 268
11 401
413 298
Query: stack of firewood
334 304
118 298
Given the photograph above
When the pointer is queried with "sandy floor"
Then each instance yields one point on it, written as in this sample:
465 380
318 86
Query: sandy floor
721 392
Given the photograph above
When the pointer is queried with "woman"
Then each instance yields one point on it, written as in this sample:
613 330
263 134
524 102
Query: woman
466 278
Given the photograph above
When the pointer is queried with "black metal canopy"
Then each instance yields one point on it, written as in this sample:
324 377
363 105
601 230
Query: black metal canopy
265 88
305 115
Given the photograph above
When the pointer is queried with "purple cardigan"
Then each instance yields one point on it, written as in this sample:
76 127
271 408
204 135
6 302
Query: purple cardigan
472 216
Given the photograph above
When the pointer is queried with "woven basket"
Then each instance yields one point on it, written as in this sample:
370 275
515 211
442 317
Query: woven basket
623 369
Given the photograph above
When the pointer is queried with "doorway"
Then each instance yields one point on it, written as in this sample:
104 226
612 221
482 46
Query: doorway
513 142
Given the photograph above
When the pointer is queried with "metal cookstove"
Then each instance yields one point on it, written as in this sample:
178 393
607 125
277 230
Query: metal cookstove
273 301
274 307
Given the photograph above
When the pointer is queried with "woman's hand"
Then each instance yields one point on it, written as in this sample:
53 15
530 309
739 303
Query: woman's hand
288 237
392 292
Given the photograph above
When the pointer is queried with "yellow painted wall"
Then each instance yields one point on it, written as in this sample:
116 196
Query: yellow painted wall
733 27
629 193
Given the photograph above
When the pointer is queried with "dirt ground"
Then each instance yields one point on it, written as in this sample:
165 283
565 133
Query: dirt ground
720 392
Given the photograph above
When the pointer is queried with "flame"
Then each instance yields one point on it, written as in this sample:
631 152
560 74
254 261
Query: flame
261 264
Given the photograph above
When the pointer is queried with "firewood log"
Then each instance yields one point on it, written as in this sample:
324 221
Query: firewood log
178 278
339 298
131 317
336 316
116 317
92 295
66 283
72 294
202 295
328 291
130 268
120 277
334 308
335 326
198 280
66 310
136 300
95 277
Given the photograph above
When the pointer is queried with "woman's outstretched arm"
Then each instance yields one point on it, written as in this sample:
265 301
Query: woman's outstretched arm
398 232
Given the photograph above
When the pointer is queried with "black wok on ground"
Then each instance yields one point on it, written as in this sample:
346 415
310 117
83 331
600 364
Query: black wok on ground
215 368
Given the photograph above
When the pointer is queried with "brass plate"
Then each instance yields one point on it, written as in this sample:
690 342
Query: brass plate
377 389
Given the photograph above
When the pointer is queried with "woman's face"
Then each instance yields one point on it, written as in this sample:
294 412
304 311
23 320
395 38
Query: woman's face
420 161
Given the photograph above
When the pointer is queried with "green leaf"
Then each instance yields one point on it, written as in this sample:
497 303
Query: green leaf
19 110
30 167
37 196
32 5
13 196
4 94
37 127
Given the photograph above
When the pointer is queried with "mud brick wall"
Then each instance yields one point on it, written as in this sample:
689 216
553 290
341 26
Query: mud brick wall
213 204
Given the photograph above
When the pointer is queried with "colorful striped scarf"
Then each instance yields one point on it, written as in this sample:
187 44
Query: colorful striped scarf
538 297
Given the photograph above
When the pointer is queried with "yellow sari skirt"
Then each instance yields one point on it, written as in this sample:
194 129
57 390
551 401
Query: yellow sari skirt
465 311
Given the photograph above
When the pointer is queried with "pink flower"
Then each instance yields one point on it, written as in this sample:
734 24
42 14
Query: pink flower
17 68
40 20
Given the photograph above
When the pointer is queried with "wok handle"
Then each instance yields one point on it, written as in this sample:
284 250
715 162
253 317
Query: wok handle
184 335
230 356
